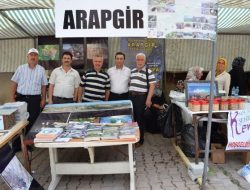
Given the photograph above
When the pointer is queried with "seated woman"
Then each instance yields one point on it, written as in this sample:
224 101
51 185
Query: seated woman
221 75
179 86
150 115
194 73
238 76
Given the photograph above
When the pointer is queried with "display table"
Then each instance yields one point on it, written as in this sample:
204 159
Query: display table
75 111
194 118
76 168
17 129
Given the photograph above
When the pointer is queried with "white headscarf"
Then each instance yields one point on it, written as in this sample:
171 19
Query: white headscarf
194 73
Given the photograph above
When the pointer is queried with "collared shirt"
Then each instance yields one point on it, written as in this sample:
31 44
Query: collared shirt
119 79
138 80
223 79
95 85
65 82
29 81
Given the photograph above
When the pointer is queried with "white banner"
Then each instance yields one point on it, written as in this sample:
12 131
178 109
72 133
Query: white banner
238 130
101 18
182 19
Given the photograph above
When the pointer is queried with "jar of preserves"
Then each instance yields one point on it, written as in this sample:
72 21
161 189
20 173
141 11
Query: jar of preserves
216 105
234 104
241 105
204 105
196 106
224 104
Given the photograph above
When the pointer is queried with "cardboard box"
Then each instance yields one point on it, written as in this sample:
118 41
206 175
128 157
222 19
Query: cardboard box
245 157
217 153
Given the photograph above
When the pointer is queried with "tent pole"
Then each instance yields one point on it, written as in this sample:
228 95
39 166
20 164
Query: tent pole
204 176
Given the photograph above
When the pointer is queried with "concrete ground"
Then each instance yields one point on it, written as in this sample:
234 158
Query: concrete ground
158 167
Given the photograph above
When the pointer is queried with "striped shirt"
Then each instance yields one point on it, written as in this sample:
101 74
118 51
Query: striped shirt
29 81
95 84
138 80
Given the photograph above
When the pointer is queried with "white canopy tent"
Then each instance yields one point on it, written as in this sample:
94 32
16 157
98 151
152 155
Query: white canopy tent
32 18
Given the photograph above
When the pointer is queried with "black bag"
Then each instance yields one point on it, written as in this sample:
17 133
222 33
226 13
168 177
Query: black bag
166 124
188 141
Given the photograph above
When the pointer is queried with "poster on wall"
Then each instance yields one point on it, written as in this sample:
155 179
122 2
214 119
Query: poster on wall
238 130
153 48
77 51
181 19
48 52
49 56
97 46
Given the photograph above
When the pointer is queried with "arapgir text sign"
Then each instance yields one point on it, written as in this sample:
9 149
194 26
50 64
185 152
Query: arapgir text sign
101 18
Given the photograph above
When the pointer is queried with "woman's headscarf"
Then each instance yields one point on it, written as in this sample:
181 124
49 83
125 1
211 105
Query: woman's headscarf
225 65
194 73
238 62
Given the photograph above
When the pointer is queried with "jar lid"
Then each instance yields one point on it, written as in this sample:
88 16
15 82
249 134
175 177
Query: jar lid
196 102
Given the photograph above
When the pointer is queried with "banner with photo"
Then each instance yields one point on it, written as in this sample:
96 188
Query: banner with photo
153 48
95 18
238 130
182 19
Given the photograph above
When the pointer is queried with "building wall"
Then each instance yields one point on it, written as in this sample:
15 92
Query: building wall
5 85
13 53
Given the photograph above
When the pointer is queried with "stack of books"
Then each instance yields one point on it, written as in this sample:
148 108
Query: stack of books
93 133
127 132
48 134
110 132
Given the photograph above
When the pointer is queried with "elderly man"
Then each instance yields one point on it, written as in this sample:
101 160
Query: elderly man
119 78
141 90
95 84
64 82
29 85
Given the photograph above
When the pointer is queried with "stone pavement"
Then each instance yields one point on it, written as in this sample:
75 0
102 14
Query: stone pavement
158 167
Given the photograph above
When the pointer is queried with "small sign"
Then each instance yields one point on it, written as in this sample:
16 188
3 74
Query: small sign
238 130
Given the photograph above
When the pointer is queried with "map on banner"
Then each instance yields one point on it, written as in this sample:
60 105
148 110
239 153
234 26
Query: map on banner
238 130
182 19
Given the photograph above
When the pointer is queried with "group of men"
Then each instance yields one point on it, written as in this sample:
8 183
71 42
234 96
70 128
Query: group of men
65 84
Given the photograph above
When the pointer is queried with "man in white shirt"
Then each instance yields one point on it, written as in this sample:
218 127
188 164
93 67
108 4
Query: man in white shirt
119 78
64 82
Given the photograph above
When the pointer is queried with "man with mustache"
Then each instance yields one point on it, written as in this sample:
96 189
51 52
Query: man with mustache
64 82
29 85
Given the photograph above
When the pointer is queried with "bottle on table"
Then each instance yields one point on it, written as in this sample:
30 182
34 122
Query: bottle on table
237 91
233 91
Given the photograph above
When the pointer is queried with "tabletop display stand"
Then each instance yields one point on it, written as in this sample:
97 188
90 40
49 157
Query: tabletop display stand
67 112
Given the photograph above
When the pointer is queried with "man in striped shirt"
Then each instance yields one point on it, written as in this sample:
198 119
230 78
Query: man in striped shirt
95 84
29 85
141 90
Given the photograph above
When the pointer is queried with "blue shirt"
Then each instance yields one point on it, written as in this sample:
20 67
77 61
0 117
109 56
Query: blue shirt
29 81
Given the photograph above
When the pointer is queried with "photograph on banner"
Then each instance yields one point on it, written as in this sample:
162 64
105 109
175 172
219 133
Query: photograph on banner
77 51
97 46
153 49
16 176
95 18
238 130
181 19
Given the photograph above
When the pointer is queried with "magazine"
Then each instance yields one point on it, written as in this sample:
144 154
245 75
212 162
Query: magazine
109 135
16 176
92 137
127 132
116 119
